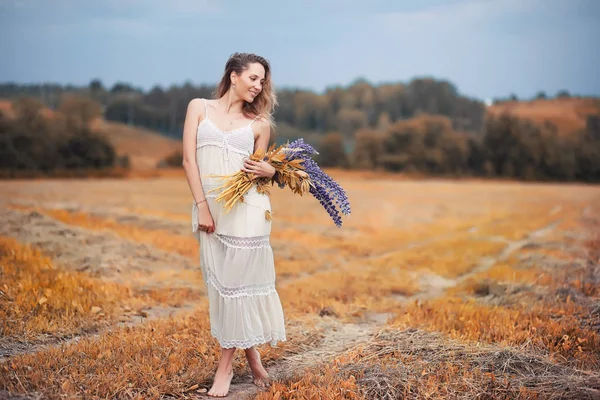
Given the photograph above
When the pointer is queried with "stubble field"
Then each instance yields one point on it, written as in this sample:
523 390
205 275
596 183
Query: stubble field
432 289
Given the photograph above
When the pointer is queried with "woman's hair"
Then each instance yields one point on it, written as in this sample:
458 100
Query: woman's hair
264 103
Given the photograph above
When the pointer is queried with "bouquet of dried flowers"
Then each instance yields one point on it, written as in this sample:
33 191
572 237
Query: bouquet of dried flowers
295 169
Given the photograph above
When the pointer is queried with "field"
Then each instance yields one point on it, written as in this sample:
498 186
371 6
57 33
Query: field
145 148
568 115
432 289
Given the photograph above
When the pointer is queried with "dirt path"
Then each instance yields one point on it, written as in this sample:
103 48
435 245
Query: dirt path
435 285
338 337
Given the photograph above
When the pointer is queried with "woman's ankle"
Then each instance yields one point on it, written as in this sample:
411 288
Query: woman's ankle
252 352
225 370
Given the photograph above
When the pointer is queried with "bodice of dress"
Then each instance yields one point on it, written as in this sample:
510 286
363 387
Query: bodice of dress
239 140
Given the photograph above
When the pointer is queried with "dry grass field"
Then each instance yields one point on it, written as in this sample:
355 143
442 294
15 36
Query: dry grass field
144 147
432 289
569 115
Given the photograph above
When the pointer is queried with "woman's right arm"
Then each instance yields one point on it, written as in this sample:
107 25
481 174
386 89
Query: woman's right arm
190 127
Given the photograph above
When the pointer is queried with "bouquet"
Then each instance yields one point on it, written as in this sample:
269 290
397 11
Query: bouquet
295 169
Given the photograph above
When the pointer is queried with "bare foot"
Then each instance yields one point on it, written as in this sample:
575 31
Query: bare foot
259 373
220 386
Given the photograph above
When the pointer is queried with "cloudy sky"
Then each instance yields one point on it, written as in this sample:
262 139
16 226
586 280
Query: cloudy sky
487 48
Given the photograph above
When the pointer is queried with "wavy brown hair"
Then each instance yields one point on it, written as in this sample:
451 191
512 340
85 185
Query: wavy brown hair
265 102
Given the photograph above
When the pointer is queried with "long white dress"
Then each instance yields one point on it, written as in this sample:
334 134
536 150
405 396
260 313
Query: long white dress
236 260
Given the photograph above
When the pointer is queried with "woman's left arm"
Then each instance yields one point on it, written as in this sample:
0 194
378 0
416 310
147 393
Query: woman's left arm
260 168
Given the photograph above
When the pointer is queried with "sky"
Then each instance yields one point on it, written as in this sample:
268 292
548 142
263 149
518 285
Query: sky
487 48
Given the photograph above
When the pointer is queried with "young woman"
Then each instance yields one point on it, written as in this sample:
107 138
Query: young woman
236 257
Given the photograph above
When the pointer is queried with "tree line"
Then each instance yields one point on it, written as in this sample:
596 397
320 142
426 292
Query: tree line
509 147
422 126
344 110
33 142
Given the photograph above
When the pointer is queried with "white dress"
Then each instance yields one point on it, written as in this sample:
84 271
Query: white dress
236 259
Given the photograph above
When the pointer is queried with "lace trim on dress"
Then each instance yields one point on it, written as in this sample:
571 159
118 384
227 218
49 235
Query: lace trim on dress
239 140
236 242
271 338
257 289
223 146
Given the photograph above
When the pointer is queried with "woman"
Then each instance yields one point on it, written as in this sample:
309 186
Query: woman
236 258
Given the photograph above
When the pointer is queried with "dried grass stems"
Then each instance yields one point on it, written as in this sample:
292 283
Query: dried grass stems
417 364
288 173
421 364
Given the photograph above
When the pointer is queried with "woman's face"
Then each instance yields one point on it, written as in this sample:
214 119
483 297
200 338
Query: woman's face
250 83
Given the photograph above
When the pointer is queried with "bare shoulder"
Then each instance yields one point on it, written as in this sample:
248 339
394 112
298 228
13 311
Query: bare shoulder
262 126
196 103
196 106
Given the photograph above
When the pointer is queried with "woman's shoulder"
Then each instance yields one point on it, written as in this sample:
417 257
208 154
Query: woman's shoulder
261 124
196 101
260 120
197 105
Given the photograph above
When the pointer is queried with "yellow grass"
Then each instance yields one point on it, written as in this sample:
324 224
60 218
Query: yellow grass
40 298
504 273
554 330
149 360
395 238
163 357
326 384
448 258
351 377
520 224
347 294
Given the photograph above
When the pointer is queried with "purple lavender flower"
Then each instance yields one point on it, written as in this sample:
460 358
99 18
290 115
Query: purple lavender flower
332 187
325 189
299 149
325 199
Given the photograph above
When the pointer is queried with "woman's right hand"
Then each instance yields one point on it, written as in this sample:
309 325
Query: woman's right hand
205 219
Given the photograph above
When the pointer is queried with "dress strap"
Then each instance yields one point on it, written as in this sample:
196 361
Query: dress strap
205 108
255 118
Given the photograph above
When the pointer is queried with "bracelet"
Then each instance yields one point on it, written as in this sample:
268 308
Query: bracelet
198 202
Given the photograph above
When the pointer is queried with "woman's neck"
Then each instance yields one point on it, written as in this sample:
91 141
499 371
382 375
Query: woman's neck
231 103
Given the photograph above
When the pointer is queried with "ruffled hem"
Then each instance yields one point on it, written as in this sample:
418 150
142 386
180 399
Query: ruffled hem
272 338
246 321
259 289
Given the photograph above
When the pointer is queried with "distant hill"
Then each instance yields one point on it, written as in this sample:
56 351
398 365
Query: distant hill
569 115
144 147
6 107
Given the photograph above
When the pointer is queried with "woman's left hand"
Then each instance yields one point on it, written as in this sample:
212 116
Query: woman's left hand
258 168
